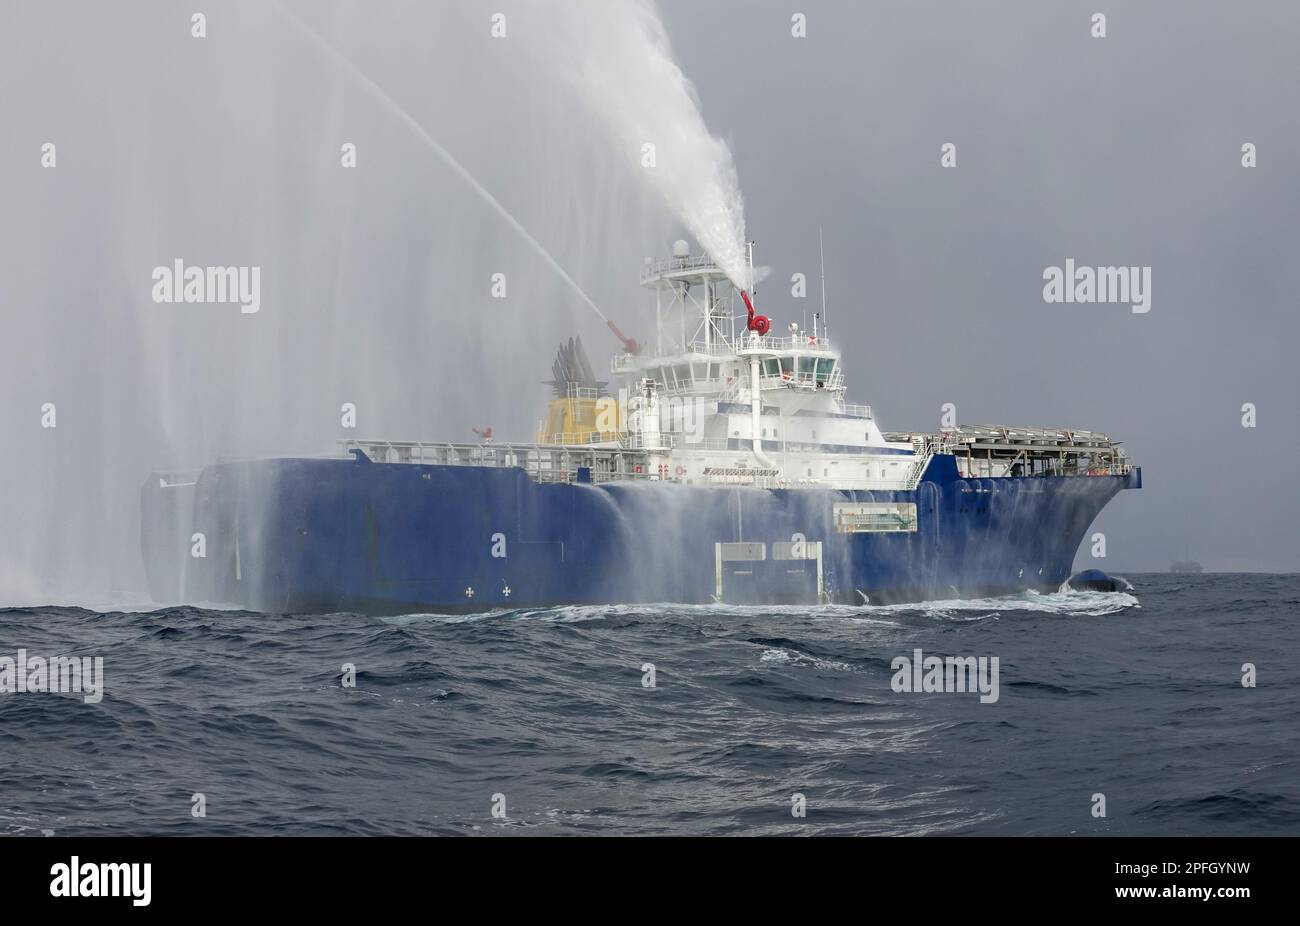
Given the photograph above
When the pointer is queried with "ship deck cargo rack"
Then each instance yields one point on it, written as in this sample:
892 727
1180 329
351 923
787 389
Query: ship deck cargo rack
1027 451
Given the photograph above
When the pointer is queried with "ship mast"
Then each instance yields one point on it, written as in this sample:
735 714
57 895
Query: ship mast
692 310
821 254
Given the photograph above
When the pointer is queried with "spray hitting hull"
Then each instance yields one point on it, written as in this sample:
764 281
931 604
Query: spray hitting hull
328 535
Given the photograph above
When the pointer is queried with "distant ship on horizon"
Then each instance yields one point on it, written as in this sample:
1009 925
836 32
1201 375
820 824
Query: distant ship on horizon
1187 565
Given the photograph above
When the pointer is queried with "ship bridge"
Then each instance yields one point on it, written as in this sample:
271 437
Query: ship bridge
785 363
704 341
721 390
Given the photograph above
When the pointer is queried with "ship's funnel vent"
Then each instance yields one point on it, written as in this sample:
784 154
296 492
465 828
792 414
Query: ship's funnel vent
572 371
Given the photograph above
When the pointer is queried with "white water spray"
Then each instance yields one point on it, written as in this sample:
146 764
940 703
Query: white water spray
396 109
617 53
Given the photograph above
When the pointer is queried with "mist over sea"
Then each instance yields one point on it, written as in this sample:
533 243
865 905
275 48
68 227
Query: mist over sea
1137 696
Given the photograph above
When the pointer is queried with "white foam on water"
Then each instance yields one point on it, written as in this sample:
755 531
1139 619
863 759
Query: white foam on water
1067 603
401 620
793 657
1128 586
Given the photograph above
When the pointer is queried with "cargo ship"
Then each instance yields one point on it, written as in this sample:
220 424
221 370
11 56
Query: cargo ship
722 463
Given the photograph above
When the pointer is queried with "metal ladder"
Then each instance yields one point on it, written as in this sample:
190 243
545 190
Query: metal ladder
924 453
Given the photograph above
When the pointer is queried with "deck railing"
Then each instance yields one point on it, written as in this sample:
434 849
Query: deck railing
545 463
665 265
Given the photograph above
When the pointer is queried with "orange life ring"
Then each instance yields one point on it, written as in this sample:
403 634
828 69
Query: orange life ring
681 470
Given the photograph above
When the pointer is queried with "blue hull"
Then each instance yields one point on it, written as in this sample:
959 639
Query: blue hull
327 535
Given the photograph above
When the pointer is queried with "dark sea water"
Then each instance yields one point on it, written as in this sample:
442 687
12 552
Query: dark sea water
1136 696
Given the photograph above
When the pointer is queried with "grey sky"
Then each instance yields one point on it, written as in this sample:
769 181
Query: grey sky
375 288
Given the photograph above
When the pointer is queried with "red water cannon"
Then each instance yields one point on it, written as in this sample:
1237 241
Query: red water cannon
760 323
629 344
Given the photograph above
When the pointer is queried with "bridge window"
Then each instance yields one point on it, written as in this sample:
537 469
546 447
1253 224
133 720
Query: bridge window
806 365
771 367
824 367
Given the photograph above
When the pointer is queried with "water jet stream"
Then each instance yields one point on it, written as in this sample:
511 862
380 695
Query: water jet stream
396 109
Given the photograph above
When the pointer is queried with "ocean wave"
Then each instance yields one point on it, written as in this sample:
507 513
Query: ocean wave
557 709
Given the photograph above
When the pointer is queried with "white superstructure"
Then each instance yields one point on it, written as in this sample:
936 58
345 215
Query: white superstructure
720 399
714 401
